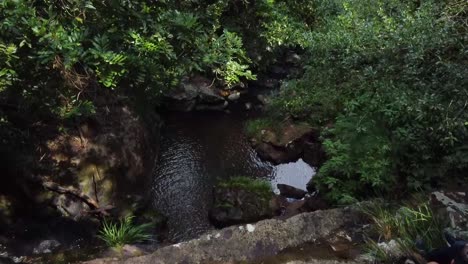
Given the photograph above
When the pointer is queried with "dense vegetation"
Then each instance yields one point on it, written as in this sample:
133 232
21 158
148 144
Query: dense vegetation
56 56
63 61
413 227
59 49
388 79
56 53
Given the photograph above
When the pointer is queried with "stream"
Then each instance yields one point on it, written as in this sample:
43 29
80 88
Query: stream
197 150
200 148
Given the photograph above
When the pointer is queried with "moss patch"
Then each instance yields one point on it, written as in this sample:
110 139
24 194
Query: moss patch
254 127
275 131
260 187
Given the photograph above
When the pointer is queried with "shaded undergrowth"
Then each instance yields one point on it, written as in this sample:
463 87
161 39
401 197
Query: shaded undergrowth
413 228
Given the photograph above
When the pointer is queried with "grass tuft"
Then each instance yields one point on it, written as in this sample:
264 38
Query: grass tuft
261 187
254 127
407 225
124 232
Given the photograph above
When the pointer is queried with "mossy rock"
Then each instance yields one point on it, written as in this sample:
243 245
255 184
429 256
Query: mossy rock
241 200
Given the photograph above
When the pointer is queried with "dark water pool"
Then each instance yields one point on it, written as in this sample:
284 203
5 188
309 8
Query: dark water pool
197 149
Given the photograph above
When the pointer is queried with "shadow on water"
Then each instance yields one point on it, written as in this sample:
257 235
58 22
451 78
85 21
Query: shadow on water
197 149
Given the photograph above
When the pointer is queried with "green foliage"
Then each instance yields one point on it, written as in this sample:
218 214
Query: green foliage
56 51
149 47
260 187
406 225
7 57
77 109
388 79
124 232
254 127
225 55
391 78
288 23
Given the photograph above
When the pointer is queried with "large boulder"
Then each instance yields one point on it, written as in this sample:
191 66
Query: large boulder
314 203
102 163
452 206
290 191
259 241
293 208
126 251
239 201
309 203
234 96
285 144
313 152
46 246
195 93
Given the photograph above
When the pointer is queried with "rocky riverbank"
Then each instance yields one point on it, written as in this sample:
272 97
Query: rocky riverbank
80 171
324 236
335 228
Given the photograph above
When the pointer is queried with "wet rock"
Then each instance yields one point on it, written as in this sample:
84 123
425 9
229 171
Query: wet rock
391 249
269 136
396 254
248 243
293 208
5 260
234 96
452 206
310 203
248 106
276 155
4 256
343 249
194 93
457 233
290 191
310 186
278 204
46 246
126 251
107 161
314 203
235 204
262 99
132 251
284 145
212 107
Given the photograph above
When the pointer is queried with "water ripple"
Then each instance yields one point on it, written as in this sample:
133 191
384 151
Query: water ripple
197 150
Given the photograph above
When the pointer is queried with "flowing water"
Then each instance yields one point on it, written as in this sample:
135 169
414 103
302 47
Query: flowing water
197 149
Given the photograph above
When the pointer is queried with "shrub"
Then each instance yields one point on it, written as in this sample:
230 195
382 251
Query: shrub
124 232
391 77
411 226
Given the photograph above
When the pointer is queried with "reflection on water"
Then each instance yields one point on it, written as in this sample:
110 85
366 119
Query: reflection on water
296 174
197 149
